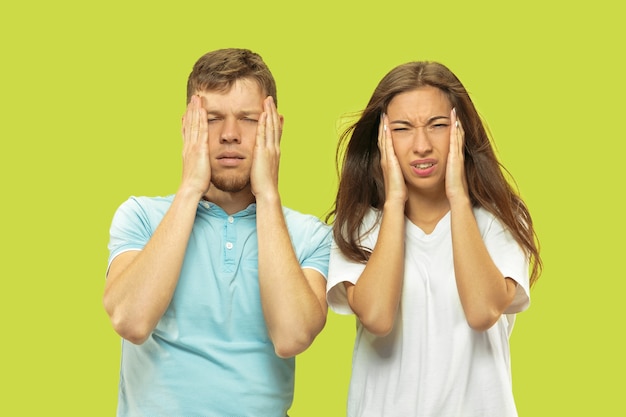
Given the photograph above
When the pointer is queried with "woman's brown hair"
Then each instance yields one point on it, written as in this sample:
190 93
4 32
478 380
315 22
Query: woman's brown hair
361 184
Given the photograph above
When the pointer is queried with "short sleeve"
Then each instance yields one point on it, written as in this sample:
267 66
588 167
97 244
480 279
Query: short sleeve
512 262
130 229
311 240
319 248
342 269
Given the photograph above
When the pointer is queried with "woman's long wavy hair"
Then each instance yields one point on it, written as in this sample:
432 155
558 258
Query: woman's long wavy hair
361 184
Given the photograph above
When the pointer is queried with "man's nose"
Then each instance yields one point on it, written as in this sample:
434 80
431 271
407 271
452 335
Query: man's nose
230 131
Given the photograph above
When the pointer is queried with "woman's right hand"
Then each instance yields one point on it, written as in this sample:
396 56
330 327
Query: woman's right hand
395 187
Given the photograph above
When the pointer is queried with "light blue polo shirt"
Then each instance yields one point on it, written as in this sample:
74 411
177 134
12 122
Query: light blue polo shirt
210 354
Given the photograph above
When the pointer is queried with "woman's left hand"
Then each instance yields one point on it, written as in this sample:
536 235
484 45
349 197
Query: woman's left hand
456 182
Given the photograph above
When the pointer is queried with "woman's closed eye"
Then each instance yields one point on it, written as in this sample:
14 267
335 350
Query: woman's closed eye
437 127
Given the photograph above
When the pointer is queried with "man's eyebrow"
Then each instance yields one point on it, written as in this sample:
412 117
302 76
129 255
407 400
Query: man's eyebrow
249 112
215 112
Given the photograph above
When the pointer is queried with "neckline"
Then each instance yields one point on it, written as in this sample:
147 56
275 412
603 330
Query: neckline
441 227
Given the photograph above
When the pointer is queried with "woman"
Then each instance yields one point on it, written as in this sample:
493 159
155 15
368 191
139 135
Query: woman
432 252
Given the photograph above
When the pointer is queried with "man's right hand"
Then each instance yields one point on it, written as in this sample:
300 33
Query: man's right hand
196 163
141 283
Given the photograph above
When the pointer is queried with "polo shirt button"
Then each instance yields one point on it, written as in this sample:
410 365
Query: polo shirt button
231 219
229 245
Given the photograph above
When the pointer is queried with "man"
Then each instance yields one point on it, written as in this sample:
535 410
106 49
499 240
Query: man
216 288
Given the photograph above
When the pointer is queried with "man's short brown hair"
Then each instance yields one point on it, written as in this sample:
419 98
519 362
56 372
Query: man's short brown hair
218 70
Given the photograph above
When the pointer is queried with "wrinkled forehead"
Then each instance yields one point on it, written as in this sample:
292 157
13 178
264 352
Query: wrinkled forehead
244 96
246 83
421 103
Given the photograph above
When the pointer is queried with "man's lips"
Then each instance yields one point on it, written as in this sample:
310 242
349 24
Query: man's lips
230 155
230 159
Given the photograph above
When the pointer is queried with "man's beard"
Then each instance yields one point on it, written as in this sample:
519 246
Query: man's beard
230 183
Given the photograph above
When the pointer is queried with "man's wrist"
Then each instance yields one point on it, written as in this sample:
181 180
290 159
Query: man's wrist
189 193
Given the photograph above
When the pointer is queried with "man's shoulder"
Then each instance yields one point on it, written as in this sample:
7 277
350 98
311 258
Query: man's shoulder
167 199
149 201
144 206
305 226
295 215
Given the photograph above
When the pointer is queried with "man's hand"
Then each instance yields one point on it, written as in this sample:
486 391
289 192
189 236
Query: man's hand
196 163
264 174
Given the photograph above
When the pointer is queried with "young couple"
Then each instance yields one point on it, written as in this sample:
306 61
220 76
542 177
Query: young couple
216 288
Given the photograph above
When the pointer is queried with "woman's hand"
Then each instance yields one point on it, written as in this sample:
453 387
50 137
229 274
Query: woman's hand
395 187
456 182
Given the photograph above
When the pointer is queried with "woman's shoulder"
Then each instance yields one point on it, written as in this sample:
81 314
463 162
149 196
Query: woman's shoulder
372 216
484 217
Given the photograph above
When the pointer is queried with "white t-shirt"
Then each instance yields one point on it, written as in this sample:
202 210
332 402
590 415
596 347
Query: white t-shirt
432 363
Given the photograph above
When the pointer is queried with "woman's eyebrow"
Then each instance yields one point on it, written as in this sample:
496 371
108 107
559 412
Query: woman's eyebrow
429 121
402 122
434 118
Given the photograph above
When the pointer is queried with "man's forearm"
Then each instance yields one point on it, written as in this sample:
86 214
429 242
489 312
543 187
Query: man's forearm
140 285
293 303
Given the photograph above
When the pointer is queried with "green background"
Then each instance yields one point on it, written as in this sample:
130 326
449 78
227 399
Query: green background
92 95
